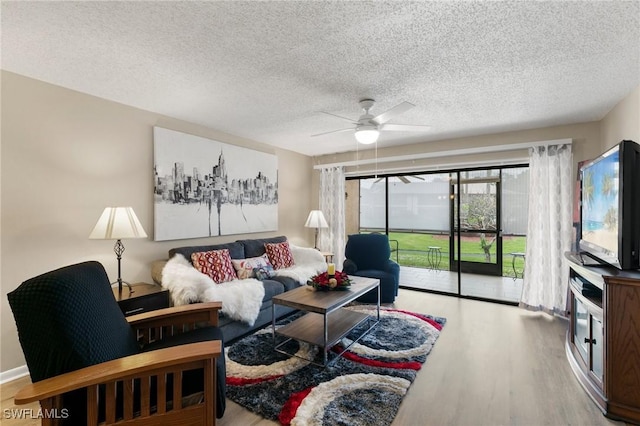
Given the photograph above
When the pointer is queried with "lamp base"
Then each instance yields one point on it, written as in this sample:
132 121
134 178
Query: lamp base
120 286
118 248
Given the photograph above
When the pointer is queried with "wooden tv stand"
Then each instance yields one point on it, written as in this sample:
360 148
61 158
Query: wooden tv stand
603 341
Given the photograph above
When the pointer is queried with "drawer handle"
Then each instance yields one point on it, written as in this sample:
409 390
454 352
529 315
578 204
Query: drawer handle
133 311
592 341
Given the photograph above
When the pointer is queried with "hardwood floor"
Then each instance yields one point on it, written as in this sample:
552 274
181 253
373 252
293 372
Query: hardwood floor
492 365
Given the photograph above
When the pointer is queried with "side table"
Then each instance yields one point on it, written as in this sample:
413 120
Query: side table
434 257
144 297
513 264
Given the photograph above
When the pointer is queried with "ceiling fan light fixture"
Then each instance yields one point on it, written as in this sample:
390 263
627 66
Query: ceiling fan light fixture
367 135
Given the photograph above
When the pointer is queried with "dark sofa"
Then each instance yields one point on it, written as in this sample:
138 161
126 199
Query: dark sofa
241 249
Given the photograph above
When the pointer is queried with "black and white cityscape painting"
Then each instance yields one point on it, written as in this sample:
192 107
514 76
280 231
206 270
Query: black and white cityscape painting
206 188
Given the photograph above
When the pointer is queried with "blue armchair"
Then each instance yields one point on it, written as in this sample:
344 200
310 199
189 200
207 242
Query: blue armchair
367 255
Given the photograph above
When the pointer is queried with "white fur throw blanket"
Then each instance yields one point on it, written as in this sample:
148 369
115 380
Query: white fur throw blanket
307 263
241 299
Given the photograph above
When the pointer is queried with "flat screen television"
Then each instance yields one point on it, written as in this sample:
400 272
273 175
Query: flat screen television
610 205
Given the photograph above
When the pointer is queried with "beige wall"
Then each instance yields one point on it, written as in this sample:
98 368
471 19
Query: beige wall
66 156
589 140
585 136
622 122
352 207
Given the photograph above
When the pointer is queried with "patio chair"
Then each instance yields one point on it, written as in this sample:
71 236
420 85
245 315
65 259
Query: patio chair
89 363
367 255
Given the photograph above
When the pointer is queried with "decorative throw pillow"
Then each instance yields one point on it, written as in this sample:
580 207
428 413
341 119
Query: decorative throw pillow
216 264
279 254
245 267
264 272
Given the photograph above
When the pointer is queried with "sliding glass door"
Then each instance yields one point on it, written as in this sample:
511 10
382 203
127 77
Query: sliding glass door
373 205
459 232
419 228
476 222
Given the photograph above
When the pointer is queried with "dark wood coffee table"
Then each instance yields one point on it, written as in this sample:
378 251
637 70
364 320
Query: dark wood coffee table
326 320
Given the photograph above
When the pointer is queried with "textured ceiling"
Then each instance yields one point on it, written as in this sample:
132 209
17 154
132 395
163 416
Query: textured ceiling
265 70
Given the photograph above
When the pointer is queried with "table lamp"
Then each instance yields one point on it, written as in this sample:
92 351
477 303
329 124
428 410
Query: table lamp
118 223
316 220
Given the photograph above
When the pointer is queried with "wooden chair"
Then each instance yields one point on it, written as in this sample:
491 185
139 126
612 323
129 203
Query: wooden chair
92 365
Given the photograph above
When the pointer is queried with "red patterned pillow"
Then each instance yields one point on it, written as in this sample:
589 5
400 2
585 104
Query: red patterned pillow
216 264
279 254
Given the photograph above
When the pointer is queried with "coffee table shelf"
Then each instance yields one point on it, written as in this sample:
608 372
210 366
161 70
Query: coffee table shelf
310 327
326 320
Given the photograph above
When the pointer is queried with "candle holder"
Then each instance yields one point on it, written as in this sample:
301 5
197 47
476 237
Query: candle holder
325 282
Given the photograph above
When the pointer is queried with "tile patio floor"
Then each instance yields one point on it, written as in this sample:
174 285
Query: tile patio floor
504 289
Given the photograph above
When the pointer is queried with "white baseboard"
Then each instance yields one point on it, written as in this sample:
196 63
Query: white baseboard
13 374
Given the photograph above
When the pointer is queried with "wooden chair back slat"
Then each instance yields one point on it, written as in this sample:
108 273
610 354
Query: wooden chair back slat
92 405
110 403
177 390
127 398
210 392
162 393
48 404
145 396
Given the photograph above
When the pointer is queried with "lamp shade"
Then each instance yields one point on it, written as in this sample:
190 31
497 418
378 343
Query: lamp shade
367 134
316 220
117 223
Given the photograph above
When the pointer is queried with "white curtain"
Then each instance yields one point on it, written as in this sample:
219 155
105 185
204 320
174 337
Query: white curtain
332 192
549 230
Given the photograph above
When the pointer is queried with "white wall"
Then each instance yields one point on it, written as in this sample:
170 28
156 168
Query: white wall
65 156
622 122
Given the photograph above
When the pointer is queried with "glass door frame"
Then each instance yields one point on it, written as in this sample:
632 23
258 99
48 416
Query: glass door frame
452 171
456 233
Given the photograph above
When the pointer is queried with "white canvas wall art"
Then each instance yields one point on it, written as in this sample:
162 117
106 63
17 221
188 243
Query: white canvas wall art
206 188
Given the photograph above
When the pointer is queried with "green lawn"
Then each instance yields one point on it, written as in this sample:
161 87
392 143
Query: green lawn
412 250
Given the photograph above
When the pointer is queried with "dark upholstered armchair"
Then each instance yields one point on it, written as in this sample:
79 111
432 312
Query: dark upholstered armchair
367 255
89 363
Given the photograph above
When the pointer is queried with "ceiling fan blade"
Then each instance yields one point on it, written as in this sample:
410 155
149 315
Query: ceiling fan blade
340 117
403 179
404 128
396 110
332 131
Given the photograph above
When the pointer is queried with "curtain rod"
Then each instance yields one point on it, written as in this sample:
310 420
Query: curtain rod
443 167
447 153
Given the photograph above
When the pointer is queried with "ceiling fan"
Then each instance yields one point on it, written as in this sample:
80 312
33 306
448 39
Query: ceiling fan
403 179
368 127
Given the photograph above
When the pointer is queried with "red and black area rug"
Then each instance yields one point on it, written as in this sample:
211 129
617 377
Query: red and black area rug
363 387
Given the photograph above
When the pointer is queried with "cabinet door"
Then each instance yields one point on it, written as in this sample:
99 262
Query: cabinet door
597 348
581 329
